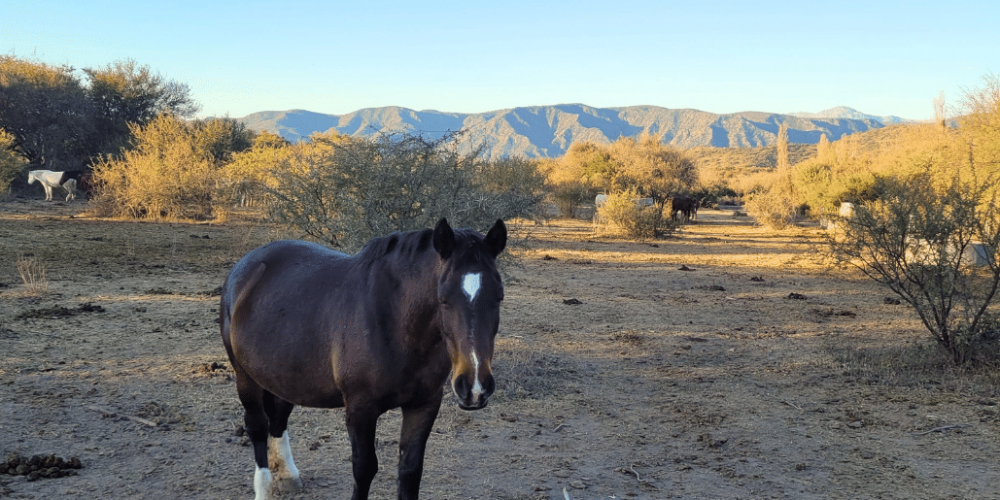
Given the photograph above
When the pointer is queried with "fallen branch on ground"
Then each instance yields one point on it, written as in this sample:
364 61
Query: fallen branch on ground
108 413
940 429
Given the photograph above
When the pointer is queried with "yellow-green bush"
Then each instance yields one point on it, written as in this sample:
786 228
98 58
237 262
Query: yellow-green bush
164 176
634 219
246 180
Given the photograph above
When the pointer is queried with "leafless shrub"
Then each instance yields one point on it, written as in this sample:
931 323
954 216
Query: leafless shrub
916 241
344 191
32 273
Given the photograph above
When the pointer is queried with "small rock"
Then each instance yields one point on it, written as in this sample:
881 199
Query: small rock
578 485
857 424
572 302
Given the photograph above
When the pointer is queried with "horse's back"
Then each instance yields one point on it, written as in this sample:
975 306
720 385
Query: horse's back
276 319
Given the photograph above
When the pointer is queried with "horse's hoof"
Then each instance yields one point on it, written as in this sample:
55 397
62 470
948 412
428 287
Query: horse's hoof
288 484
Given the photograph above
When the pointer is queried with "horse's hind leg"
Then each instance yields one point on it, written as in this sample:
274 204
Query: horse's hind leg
70 187
256 422
286 475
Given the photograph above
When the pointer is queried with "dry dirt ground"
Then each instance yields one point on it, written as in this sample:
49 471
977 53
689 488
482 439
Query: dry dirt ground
725 362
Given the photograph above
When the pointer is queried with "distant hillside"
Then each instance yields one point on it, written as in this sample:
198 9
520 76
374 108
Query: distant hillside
853 114
725 162
548 131
738 160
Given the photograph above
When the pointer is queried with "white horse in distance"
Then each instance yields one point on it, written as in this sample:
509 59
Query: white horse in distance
49 179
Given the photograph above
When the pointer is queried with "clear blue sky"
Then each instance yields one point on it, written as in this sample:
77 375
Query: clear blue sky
883 58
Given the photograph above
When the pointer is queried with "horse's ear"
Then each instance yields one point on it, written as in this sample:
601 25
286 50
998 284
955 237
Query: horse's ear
444 239
496 239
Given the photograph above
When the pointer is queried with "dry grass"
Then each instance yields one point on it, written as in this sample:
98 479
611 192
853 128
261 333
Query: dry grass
32 272
524 372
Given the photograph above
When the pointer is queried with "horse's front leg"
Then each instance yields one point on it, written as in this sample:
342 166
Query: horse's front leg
417 424
361 432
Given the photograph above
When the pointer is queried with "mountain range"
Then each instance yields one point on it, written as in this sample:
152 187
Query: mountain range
548 131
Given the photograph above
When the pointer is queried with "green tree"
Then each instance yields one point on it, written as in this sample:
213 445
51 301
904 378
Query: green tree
222 137
11 164
125 93
46 112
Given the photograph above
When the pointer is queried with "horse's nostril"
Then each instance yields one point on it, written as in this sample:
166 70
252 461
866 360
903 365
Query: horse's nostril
462 387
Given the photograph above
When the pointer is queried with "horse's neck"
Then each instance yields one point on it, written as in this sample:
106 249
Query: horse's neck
420 282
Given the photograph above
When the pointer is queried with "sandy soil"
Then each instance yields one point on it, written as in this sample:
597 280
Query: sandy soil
726 362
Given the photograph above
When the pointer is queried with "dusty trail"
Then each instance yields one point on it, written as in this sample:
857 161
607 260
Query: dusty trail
710 382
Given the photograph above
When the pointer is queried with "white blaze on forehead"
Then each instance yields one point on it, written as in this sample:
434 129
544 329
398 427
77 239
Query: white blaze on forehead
470 285
477 388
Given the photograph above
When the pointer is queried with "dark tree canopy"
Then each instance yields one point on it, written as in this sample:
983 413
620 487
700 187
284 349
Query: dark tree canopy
58 121
45 110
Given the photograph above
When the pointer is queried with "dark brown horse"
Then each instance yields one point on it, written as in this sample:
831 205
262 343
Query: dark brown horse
684 208
306 325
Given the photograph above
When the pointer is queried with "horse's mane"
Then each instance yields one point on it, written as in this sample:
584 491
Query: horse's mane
409 244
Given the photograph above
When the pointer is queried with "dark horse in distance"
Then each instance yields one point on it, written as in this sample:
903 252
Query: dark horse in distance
382 329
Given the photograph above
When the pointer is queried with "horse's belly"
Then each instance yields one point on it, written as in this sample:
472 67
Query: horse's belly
299 372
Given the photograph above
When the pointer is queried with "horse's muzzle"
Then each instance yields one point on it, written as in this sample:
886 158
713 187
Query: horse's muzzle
473 395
